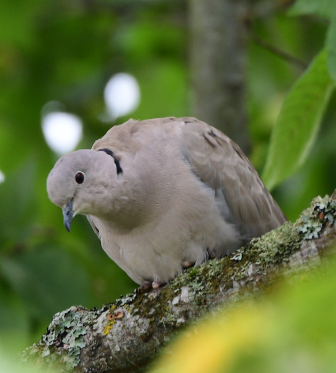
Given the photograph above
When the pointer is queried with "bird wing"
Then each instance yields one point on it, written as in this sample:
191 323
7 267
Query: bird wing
240 193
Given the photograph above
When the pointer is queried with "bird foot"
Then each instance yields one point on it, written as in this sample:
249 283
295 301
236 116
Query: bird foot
148 286
187 264
211 254
144 287
156 284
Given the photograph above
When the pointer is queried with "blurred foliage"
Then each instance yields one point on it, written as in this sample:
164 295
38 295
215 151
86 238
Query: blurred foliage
11 365
66 51
290 330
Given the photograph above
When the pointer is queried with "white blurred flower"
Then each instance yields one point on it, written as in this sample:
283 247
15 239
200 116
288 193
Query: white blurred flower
122 95
62 131
2 177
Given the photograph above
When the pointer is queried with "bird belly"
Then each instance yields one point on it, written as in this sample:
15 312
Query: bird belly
144 260
157 252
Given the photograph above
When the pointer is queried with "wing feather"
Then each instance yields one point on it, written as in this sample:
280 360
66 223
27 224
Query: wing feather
221 165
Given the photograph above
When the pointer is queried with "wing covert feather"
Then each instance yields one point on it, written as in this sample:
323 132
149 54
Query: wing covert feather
222 165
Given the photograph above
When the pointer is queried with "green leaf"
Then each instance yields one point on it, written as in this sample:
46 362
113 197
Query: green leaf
298 122
324 8
331 48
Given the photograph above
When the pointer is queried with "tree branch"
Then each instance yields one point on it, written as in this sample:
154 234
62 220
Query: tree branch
126 335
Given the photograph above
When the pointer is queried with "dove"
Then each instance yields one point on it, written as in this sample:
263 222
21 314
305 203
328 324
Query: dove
164 194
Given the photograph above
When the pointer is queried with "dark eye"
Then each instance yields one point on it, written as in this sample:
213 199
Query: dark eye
80 176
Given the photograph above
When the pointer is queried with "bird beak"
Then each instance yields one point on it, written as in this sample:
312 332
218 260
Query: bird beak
68 215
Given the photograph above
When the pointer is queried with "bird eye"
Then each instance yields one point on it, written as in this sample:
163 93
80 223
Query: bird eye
80 176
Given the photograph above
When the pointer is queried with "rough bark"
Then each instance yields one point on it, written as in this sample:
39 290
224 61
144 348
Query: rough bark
218 57
126 335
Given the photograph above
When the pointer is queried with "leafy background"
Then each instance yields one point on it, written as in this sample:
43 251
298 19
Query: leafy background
66 51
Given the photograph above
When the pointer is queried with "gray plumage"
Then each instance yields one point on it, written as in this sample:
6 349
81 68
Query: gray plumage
163 192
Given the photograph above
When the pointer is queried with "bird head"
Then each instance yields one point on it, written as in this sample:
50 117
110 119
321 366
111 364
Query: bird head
78 178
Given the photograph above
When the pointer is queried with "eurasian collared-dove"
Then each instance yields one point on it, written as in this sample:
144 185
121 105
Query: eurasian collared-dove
164 193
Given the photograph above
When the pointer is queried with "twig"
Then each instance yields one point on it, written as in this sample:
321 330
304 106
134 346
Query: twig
280 53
